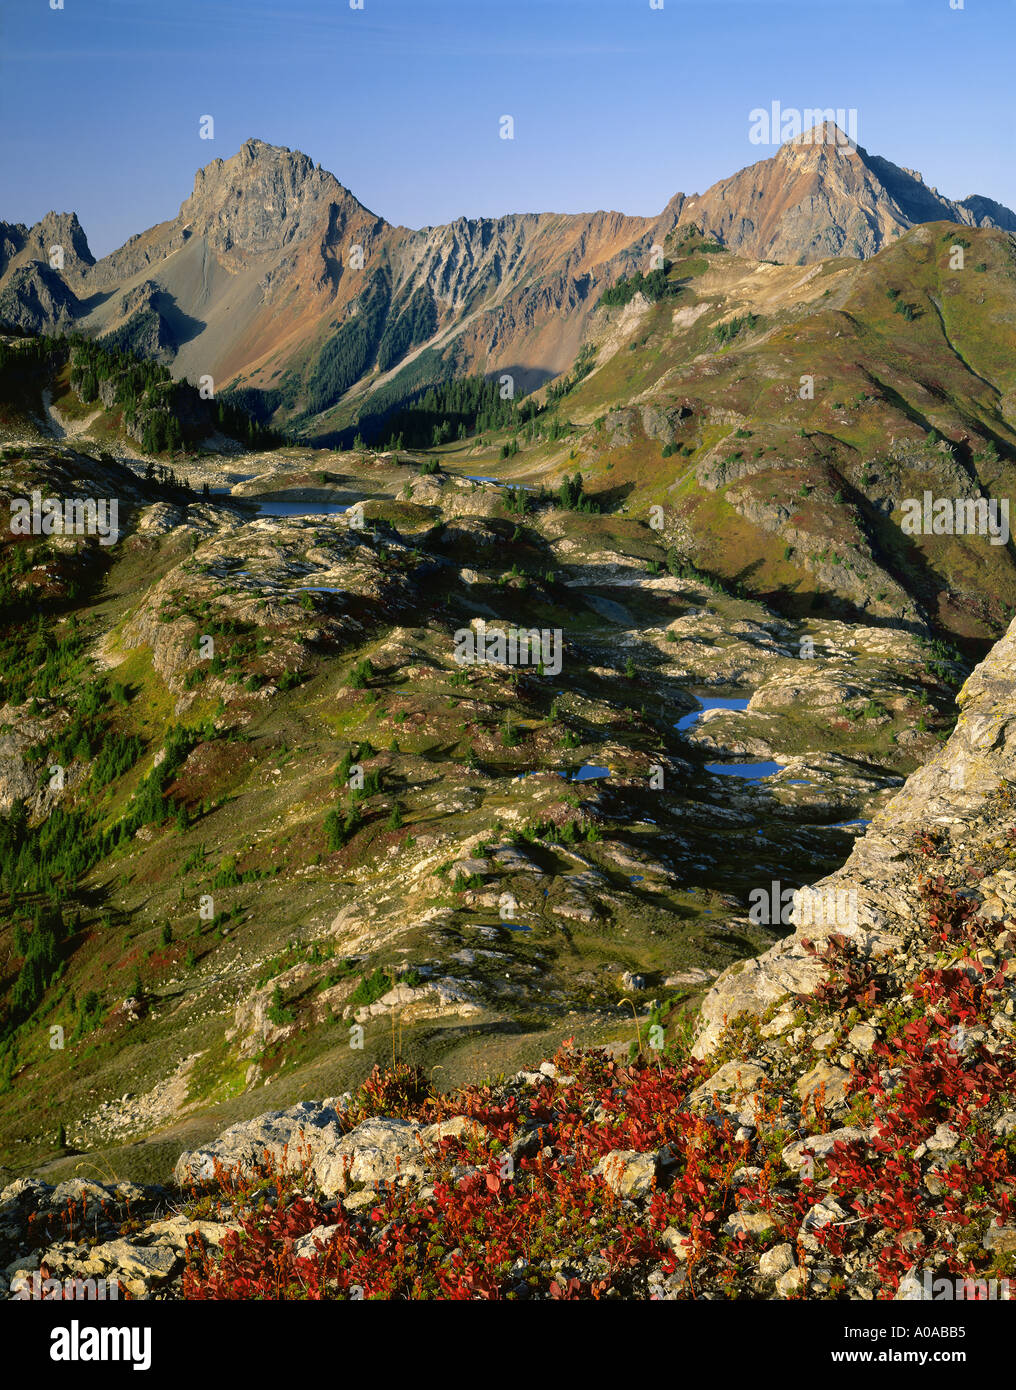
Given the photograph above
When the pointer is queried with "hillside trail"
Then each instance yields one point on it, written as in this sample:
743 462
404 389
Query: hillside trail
66 429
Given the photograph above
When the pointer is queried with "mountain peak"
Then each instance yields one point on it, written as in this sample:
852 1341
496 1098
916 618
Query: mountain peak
263 264
825 133
63 229
262 198
826 136
254 150
254 156
822 194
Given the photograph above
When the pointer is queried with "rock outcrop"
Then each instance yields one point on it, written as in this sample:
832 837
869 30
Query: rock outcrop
878 881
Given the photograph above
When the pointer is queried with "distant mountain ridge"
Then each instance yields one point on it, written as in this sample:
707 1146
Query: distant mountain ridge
821 195
273 277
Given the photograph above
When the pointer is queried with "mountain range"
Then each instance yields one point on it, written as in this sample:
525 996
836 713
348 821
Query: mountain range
275 280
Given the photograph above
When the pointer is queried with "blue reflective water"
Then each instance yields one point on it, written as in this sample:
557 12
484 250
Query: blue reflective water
234 478
498 482
515 926
302 508
751 772
589 772
703 705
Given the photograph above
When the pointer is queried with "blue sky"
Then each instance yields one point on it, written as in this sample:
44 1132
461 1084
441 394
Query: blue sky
616 105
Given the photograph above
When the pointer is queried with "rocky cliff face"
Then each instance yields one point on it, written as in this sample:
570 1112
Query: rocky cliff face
36 299
264 200
36 267
822 196
951 798
20 245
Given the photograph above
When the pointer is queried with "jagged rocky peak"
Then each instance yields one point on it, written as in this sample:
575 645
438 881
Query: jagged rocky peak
822 194
12 241
37 299
264 198
826 137
22 244
62 229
